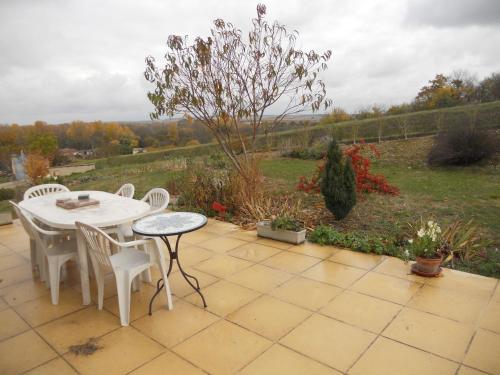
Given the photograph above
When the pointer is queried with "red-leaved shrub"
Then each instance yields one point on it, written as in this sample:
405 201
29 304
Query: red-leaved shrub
366 182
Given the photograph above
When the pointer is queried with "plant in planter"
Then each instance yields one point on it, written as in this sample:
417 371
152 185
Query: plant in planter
428 249
282 228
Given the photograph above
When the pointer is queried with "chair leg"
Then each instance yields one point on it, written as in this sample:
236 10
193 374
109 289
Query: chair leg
146 276
168 292
54 277
123 284
136 283
100 288
33 256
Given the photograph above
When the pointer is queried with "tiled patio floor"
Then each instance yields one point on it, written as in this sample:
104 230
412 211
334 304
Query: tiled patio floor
272 309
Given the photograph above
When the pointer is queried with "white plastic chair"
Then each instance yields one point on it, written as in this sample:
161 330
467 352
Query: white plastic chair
125 261
45 189
157 199
52 246
127 191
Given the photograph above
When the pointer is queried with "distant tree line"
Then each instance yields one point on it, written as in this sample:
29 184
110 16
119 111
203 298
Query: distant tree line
459 88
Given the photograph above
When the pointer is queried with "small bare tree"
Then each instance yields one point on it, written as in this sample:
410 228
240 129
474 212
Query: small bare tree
226 79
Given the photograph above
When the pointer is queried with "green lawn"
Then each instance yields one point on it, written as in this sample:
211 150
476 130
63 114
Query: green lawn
143 176
446 194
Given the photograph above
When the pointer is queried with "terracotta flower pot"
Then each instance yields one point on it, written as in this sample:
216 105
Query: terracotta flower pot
427 266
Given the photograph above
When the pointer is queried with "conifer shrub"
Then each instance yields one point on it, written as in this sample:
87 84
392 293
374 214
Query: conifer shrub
338 183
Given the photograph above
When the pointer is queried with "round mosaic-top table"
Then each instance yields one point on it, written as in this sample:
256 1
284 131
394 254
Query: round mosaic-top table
171 224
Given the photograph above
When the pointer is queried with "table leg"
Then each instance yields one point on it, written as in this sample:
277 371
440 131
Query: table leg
175 255
84 267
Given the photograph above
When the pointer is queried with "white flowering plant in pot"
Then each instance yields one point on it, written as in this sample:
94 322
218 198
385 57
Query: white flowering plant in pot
427 247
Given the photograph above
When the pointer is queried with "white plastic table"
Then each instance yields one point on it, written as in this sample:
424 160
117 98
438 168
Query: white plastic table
112 210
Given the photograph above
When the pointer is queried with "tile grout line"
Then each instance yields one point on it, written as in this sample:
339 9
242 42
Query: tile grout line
379 334
478 322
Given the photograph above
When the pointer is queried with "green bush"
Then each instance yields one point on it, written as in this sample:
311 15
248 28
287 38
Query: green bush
338 184
326 235
6 194
305 154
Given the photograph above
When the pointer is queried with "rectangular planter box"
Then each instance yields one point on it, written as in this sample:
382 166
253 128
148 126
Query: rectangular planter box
264 230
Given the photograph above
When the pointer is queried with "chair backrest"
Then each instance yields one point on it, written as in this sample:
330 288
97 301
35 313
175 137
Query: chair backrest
40 235
157 198
127 191
99 244
45 189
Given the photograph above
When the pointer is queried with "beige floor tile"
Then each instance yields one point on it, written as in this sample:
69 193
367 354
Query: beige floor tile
23 352
3 305
314 250
396 267
279 360
15 275
464 370
432 333
465 283
57 366
11 261
180 286
387 357
174 326
41 310
222 244
223 348
254 252
334 343
11 324
220 227
223 265
245 235
223 297
496 294
197 237
334 273
362 311
449 303
483 353
387 287
25 291
77 328
119 352
260 278
192 255
168 363
269 317
306 293
139 303
356 259
291 262
4 250
491 317
273 243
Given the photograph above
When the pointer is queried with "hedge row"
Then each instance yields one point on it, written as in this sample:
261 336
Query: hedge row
486 115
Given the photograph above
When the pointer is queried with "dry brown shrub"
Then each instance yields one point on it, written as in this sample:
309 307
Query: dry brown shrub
37 168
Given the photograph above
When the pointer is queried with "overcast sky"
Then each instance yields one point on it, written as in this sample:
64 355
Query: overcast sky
64 60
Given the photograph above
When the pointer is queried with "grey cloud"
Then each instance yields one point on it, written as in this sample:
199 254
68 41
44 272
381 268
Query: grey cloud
453 13
62 60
